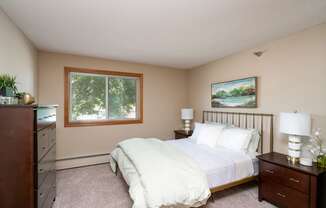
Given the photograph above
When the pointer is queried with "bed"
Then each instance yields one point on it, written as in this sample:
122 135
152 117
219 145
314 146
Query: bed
221 166
263 122
211 169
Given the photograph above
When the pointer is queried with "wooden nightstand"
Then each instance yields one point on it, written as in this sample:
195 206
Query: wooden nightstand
288 185
180 134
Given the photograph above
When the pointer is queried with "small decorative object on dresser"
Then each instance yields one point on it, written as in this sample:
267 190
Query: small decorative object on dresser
295 125
290 185
25 98
28 154
316 148
187 114
180 134
8 100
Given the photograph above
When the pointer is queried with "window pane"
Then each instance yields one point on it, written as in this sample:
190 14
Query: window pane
88 97
122 99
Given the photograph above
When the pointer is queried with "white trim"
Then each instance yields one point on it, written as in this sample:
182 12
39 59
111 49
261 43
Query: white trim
70 97
107 97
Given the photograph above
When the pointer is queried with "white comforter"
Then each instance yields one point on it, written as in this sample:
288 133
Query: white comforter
159 175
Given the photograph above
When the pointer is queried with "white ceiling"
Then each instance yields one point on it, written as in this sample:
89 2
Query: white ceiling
176 33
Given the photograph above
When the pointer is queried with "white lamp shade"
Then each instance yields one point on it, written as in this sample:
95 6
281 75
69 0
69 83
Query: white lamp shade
187 113
295 124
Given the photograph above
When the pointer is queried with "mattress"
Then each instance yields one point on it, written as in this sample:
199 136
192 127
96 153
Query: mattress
222 166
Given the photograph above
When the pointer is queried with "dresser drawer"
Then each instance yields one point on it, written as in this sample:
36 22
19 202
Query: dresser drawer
46 165
296 180
45 188
283 196
52 135
50 198
42 171
42 143
42 192
269 171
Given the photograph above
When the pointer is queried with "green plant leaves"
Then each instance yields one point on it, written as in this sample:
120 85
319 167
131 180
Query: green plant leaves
8 81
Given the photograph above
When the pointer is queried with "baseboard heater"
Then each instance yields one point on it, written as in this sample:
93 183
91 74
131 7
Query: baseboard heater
83 157
82 161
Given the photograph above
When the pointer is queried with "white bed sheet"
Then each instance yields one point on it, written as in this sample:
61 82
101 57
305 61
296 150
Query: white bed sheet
221 165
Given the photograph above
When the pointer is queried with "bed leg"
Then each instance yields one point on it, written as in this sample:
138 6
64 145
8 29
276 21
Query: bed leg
116 171
116 166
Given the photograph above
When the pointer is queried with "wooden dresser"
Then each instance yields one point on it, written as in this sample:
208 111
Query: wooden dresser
288 185
27 156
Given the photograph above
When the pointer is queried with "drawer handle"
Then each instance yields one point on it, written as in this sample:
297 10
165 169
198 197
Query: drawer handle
294 180
41 194
41 170
269 171
281 195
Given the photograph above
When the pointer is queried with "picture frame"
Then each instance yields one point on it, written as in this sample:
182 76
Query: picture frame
239 93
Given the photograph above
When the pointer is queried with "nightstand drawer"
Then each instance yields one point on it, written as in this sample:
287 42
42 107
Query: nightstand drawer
270 171
296 180
284 196
287 177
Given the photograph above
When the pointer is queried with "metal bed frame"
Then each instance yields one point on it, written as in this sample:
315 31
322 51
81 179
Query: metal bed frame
243 120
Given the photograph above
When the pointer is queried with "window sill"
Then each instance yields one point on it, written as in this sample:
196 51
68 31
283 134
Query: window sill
101 123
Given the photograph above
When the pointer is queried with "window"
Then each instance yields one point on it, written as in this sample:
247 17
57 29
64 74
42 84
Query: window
95 97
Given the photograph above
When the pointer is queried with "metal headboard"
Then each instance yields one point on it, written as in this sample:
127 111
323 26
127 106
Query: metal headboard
245 120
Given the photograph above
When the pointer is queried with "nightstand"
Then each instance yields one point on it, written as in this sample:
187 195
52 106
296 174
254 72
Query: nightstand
288 185
180 134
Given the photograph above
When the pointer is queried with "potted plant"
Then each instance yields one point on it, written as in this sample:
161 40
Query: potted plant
8 85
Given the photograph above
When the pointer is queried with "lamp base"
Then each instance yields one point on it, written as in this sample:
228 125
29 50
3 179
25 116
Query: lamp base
293 160
294 149
187 126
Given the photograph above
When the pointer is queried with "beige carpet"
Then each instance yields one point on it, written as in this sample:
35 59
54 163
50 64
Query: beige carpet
97 187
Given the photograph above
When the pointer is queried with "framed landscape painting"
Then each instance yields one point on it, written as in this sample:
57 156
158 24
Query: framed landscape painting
241 93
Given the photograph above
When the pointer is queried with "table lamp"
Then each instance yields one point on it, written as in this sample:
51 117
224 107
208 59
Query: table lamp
296 125
187 114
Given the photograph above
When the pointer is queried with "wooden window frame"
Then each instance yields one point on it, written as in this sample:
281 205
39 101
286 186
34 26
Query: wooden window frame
68 123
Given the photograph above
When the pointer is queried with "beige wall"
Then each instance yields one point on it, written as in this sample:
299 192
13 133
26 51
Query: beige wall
164 96
292 76
17 55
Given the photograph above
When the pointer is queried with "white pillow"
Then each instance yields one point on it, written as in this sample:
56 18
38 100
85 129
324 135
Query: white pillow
198 127
209 134
253 145
237 139
196 131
